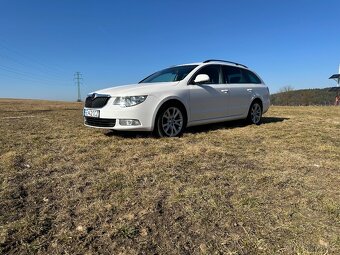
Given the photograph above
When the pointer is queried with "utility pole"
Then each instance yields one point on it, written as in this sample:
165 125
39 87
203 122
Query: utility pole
78 78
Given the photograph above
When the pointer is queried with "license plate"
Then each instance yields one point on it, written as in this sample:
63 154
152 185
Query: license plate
91 113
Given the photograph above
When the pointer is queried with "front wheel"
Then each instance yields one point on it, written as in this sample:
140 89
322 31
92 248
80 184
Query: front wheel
255 113
170 122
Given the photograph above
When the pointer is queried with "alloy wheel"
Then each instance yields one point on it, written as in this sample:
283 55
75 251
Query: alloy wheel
255 113
172 121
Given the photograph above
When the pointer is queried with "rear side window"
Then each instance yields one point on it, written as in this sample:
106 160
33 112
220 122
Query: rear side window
239 75
233 75
251 77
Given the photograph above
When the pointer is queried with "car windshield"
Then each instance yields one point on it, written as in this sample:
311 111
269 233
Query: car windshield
176 73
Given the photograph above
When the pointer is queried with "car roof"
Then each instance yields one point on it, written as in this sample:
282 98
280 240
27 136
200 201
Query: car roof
191 64
216 61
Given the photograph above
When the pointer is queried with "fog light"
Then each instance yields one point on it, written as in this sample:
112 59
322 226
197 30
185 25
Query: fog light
127 122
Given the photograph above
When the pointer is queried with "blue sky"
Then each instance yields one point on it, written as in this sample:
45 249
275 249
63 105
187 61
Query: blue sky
43 43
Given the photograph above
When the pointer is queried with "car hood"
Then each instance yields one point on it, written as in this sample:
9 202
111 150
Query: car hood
138 89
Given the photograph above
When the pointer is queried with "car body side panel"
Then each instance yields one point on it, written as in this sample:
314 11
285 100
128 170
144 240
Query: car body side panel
208 101
261 92
238 99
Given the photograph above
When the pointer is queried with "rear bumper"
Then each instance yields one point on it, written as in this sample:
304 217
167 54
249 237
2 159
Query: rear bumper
266 105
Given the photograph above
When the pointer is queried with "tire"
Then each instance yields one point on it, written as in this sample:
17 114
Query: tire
170 121
255 113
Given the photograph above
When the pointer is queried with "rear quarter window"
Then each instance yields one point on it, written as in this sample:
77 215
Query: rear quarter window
251 77
235 75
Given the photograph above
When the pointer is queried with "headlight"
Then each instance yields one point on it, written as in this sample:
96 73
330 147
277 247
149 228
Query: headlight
129 101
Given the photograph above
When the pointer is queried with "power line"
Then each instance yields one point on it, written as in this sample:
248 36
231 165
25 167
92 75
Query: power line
78 77
42 72
56 69
32 80
38 68
29 75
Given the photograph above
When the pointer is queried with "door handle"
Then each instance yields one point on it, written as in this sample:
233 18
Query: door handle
225 90
250 90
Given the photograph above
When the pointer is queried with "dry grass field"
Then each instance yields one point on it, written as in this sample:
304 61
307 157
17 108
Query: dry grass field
229 188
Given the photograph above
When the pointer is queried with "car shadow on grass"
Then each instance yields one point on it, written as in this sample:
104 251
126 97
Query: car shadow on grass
128 134
231 125
266 120
196 129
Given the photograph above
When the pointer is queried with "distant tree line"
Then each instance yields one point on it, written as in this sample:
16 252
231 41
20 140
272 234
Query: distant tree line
288 96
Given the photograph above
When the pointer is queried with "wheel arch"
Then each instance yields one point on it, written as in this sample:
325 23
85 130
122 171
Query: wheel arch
257 99
169 101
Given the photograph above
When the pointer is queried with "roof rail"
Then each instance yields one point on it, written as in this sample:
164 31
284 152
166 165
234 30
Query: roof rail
217 60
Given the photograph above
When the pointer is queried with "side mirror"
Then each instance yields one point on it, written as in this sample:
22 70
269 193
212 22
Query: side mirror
201 78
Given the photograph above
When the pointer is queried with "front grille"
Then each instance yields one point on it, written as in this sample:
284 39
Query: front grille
97 102
97 122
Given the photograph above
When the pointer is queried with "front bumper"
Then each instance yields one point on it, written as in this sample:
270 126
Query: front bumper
111 114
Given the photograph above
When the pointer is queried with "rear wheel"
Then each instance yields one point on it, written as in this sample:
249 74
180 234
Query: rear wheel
255 113
170 122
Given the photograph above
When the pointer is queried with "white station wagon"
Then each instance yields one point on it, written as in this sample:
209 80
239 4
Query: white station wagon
172 99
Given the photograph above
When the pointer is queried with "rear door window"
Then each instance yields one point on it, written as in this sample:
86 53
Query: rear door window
251 77
233 74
